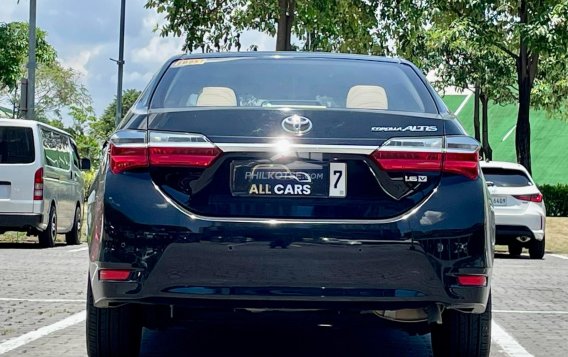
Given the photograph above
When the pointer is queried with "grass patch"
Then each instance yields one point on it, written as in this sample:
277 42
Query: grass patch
557 234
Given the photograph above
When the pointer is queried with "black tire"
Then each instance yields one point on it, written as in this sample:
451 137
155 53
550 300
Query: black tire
515 249
463 334
112 332
49 235
536 249
73 237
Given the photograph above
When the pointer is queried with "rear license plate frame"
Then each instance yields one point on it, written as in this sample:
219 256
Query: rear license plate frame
5 190
253 178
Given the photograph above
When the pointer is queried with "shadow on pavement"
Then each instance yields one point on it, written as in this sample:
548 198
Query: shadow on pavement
297 341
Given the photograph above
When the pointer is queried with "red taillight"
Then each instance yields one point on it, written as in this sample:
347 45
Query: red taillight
472 280
114 274
532 198
465 164
124 158
38 185
408 160
459 155
183 156
138 149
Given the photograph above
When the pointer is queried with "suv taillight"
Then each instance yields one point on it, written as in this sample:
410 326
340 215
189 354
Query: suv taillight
452 154
137 149
38 185
532 198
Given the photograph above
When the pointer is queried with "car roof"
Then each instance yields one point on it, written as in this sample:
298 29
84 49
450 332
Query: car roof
503 165
291 54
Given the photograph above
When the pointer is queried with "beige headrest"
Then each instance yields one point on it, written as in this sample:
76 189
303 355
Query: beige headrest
217 97
367 97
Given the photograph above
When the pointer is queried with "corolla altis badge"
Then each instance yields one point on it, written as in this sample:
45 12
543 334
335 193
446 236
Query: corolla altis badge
407 128
297 125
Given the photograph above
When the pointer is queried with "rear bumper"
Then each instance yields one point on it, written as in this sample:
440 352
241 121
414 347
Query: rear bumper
305 274
178 258
20 221
535 221
506 234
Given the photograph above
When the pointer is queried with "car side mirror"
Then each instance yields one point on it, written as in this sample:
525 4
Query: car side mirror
85 164
489 183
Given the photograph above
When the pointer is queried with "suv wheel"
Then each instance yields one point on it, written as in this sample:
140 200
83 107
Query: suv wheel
112 332
515 249
463 334
73 237
48 236
536 249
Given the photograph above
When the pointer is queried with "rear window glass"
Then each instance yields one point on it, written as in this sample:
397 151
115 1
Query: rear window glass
16 145
297 83
506 178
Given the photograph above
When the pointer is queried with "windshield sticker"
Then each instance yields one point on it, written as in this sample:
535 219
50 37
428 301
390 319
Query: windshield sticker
188 62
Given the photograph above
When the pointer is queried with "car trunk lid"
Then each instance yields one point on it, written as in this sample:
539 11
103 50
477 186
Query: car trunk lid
245 163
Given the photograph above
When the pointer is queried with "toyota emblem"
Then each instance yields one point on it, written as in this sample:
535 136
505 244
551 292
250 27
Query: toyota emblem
297 125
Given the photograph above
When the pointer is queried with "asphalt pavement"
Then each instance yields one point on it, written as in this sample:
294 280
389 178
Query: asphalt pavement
42 293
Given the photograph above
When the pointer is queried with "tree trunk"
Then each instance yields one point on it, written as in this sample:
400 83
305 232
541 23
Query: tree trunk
285 22
476 114
523 130
527 63
487 151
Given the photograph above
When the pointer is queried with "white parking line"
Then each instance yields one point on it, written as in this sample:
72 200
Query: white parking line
507 342
559 256
532 312
22 340
77 250
43 300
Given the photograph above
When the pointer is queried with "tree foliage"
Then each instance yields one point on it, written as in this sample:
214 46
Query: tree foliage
105 125
82 132
14 52
57 88
532 35
214 25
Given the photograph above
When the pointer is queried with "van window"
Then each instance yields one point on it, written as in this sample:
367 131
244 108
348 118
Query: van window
56 149
76 159
16 145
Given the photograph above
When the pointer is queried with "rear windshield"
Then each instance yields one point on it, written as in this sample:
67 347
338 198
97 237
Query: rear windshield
16 145
506 177
297 83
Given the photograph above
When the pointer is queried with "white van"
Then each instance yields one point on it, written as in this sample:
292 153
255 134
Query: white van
41 185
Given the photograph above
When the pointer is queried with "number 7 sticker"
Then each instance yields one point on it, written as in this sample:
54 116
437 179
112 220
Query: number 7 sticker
337 179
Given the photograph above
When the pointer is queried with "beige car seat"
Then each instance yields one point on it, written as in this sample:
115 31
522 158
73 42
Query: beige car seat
217 97
367 97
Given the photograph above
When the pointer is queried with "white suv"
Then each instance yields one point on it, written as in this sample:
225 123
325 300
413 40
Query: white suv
520 213
41 186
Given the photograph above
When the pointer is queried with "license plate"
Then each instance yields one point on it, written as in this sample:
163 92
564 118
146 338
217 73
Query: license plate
499 201
297 179
4 191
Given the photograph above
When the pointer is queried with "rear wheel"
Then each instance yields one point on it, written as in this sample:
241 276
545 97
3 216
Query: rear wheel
48 236
73 237
112 332
515 249
463 334
536 249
